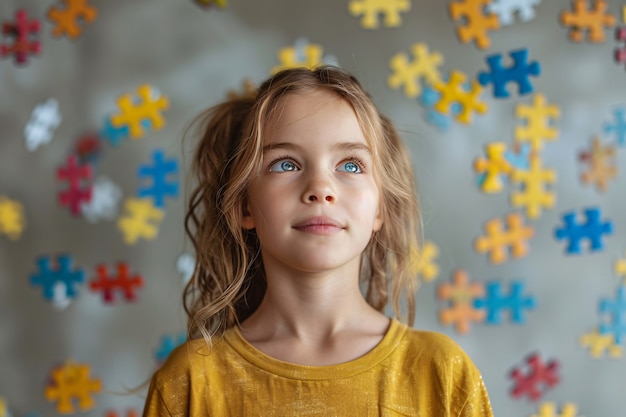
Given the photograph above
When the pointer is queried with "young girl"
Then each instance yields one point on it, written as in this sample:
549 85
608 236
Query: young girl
304 192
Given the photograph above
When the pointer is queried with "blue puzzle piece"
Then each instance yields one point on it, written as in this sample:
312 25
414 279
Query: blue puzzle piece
168 344
592 230
495 302
115 135
617 310
48 277
619 128
519 73
159 174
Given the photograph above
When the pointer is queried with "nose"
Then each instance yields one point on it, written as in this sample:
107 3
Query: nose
319 190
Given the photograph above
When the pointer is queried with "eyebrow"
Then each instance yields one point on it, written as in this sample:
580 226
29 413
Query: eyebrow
343 146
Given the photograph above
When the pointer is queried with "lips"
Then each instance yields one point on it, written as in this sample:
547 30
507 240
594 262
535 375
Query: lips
319 221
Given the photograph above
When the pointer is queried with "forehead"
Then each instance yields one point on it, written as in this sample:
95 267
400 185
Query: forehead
314 115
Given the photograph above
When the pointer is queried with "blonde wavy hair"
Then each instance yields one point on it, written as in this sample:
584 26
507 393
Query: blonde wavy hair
229 281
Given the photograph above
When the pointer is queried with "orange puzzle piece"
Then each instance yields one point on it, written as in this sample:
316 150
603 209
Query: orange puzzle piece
71 381
461 295
601 164
66 19
594 21
496 241
477 23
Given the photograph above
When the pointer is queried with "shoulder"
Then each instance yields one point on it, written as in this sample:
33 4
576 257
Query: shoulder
438 353
184 361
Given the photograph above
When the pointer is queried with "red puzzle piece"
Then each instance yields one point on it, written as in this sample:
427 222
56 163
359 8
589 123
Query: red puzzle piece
122 282
538 374
73 196
23 31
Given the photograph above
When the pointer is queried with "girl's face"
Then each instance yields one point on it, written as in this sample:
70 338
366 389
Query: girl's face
316 202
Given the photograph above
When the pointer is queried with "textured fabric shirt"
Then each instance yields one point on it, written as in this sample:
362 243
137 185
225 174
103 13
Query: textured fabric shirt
408 373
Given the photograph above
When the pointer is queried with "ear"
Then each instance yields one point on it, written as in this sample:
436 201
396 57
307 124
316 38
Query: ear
246 221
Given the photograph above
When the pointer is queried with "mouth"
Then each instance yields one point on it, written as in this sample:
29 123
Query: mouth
319 225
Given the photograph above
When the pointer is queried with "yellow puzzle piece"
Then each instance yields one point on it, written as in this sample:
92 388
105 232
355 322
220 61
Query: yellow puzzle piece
134 111
12 222
69 382
289 57
142 220
477 23
370 9
497 240
599 344
423 264
533 195
549 410
494 167
410 73
538 117
454 92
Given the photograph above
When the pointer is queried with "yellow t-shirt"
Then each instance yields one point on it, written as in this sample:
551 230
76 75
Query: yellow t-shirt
409 373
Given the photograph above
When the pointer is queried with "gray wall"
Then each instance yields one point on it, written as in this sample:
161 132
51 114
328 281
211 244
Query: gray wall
195 56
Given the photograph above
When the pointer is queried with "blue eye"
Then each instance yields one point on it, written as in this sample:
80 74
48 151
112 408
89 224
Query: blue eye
284 165
351 167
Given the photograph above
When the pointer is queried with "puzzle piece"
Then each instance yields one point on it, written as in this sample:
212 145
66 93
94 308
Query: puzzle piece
506 10
600 344
159 173
409 74
617 310
619 126
454 92
115 135
25 33
185 265
498 240
122 282
168 344
601 165
620 268
549 410
4 410
209 3
620 53
423 263
133 111
141 220
592 230
72 382
538 117
533 195
12 221
428 99
591 21
494 302
74 196
42 123
477 23
88 148
67 18
460 295
493 168
48 276
537 378
302 54
519 73
60 300
104 203
370 9
519 157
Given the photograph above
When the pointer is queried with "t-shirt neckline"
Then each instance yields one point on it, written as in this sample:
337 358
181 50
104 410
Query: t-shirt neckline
384 348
